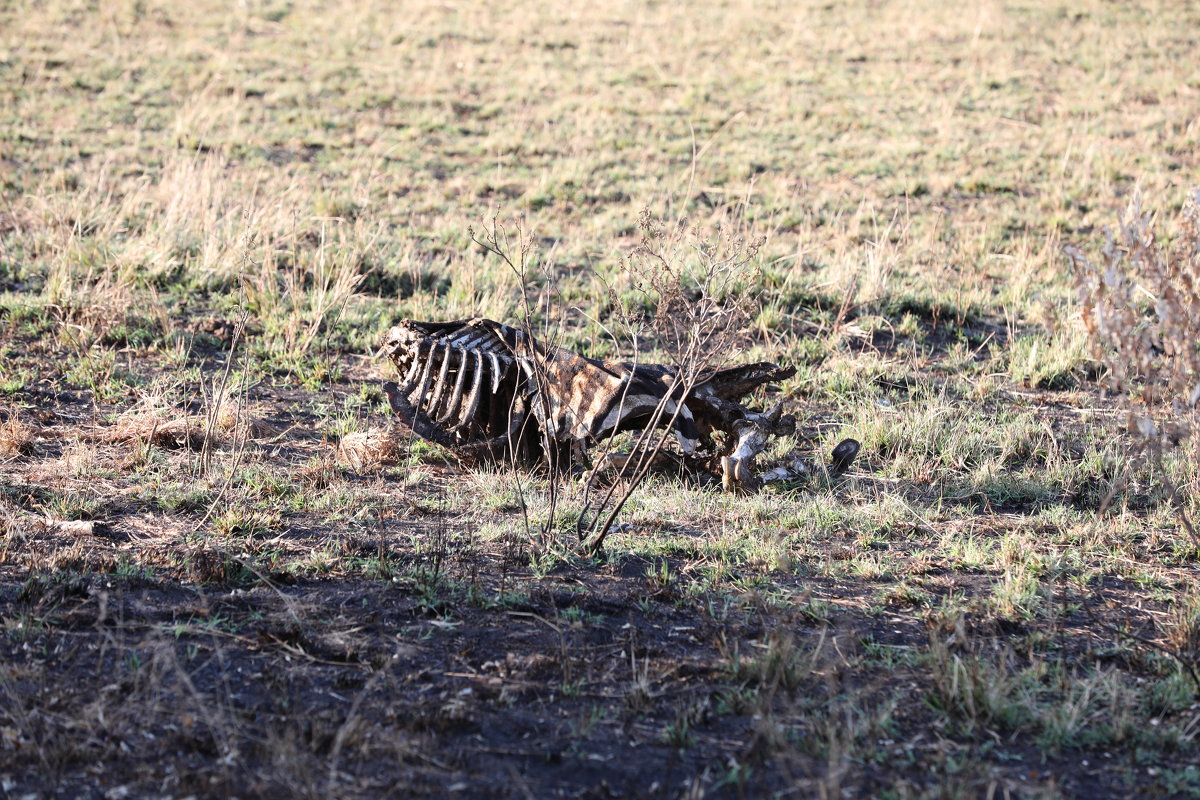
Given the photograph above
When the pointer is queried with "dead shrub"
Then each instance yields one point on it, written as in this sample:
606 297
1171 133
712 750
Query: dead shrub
1141 308
693 298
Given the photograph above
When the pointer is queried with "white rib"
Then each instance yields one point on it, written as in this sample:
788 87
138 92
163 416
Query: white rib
527 368
412 374
415 397
495 372
456 396
493 344
468 415
439 388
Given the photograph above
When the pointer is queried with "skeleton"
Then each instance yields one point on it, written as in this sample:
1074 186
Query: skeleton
490 392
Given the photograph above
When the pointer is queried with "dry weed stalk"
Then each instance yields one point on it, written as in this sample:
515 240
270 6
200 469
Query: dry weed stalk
515 249
698 291
1141 307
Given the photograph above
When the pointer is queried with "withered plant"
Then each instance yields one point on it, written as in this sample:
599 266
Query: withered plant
696 302
1141 308
513 245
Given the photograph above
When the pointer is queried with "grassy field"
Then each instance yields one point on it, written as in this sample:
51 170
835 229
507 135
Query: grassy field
211 212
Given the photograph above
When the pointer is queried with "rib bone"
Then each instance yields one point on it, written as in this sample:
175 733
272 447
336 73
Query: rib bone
411 375
439 388
496 371
456 396
419 394
468 415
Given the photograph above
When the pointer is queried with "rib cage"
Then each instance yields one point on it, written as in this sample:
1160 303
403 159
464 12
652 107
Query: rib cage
489 391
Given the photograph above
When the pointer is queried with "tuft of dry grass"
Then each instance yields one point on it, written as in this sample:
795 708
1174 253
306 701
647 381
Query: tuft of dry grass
367 450
156 422
16 437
